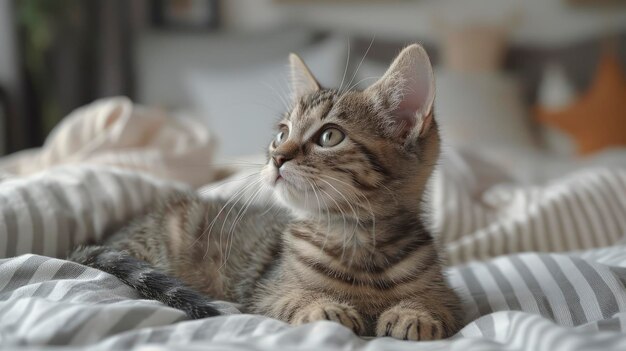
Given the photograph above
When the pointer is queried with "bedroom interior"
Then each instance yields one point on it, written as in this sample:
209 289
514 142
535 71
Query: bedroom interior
107 106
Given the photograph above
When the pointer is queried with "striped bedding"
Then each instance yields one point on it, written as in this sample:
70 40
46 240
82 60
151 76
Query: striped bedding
538 268
481 212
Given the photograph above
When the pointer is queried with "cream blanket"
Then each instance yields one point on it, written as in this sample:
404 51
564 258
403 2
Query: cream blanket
116 132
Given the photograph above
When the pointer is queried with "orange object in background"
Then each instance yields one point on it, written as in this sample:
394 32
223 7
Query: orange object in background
597 119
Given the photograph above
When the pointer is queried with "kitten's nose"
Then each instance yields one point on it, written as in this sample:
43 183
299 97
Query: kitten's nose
280 159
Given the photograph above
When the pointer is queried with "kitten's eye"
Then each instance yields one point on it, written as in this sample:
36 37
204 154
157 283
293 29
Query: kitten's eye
331 137
281 137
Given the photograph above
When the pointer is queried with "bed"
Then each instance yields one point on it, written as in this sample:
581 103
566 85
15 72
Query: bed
538 267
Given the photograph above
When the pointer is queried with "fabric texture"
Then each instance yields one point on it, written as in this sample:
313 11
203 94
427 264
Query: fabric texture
481 212
526 298
49 213
116 132
519 302
525 301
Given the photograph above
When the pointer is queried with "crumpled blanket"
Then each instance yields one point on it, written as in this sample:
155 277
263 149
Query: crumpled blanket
117 132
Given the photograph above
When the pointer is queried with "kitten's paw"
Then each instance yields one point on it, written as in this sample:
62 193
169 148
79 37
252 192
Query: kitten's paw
409 324
331 311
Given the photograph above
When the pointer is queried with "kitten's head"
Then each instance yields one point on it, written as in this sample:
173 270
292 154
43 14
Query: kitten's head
357 154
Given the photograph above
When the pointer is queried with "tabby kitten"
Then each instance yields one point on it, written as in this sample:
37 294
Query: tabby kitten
351 168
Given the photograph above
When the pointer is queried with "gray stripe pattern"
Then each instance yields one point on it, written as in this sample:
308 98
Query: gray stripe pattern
81 200
524 301
583 210
51 302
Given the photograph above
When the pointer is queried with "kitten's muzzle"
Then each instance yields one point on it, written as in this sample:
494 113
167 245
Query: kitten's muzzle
280 159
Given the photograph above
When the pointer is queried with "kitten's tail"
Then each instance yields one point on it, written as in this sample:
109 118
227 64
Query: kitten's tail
147 280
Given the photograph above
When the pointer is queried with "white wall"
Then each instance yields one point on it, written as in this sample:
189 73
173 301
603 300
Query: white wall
542 21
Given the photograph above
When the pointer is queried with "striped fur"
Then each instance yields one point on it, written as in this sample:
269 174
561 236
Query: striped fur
148 281
353 248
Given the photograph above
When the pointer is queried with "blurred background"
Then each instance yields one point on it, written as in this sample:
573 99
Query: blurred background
542 76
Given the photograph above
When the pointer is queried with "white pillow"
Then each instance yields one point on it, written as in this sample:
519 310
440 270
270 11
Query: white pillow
163 58
241 104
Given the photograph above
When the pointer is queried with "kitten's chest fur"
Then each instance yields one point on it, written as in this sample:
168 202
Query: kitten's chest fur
371 265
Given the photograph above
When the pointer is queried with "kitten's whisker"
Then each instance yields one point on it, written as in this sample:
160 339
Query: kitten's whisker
363 59
229 238
356 215
231 209
360 81
209 229
286 104
345 70
271 109
270 199
204 193
319 207
240 163
319 216
238 219
393 195
360 194
245 206
205 190
232 201
344 236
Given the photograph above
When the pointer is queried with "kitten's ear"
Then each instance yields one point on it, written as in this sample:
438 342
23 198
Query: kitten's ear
302 80
408 87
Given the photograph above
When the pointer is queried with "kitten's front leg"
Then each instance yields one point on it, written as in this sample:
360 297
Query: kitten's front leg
300 306
327 309
410 320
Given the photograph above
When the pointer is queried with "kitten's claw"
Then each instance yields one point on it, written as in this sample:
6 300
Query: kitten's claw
409 324
335 312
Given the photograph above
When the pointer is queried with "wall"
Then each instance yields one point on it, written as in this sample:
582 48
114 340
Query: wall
544 22
259 31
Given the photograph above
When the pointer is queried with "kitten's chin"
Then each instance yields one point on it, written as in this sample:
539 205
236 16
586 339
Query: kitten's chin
292 193
300 202
299 207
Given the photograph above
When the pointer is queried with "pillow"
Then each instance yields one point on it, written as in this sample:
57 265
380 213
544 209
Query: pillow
596 120
242 103
163 58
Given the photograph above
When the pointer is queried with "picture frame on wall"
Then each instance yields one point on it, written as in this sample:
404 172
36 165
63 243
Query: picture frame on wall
195 15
